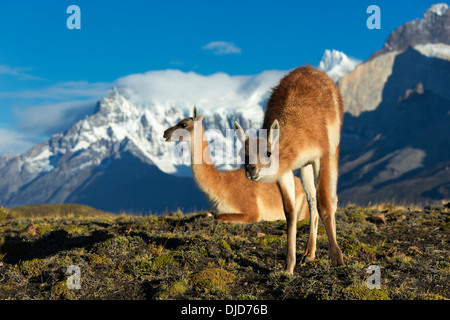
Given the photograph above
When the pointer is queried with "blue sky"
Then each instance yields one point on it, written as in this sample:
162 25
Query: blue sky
43 63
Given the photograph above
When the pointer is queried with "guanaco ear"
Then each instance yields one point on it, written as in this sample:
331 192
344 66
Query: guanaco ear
240 132
274 133
197 118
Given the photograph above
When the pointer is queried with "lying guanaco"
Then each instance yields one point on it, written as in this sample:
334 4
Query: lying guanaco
232 197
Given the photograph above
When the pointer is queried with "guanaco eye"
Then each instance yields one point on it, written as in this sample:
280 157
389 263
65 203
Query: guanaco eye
269 154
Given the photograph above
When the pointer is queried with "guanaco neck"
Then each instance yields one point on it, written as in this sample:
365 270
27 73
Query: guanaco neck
203 170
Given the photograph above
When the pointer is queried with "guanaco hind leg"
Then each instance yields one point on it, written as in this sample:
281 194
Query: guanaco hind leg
334 159
327 211
238 217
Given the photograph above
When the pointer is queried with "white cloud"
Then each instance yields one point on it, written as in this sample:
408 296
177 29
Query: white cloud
208 92
61 105
52 118
65 103
63 91
13 141
17 72
55 108
222 47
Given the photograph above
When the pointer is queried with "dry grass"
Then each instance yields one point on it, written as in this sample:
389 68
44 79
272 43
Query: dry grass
191 256
60 211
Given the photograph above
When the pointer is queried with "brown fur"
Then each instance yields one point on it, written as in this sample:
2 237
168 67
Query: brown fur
234 198
302 103
308 109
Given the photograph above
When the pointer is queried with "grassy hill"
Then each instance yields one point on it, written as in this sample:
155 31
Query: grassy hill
59 211
192 256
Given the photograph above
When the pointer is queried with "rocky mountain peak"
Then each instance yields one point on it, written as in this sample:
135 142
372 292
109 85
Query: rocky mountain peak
439 9
434 27
336 64
418 89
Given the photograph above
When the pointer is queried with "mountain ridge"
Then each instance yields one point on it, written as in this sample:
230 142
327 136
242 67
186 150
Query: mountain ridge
432 28
115 159
387 149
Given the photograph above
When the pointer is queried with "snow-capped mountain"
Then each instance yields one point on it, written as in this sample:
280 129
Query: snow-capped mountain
127 128
126 132
394 141
337 64
432 28
439 9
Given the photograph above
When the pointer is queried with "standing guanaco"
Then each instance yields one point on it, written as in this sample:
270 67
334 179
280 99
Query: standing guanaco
303 117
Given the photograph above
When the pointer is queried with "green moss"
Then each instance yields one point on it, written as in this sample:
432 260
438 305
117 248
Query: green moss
99 260
66 261
189 258
401 261
163 261
43 228
264 242
143 267
225 245
352 247
358 216
171 290
2 214
5 287
146 266
349 245
76 229
195 248
7 214
442 265
432 296
21 225
368 294
390 247
60 290
32 268
122 241
212 280
278 277
303 225
367 248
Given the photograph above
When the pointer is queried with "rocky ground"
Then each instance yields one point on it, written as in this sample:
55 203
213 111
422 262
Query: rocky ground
192 256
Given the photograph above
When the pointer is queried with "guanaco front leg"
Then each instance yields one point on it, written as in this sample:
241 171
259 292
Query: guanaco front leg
287 188
309 176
